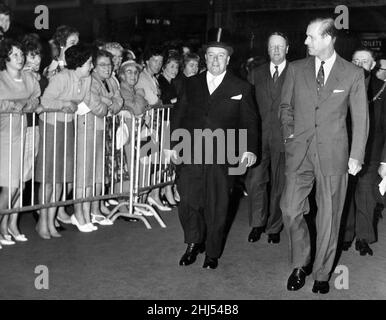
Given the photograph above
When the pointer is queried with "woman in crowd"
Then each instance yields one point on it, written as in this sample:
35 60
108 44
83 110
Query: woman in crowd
117 52
65 37
32 52
190 68
147 81
104 98
64 92
134 104
19 91
169 96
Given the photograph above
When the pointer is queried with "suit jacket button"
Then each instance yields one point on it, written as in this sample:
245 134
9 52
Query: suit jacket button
317 108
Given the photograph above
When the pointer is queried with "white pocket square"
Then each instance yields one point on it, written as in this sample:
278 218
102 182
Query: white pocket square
238 97
337 91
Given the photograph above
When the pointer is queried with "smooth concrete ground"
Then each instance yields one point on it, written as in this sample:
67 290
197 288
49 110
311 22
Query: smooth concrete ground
127 261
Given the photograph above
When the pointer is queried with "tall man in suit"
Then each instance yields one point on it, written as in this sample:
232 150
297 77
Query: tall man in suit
360 218
214 100
268 81
316 95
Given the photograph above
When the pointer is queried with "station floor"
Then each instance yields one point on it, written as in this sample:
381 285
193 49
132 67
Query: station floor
127 261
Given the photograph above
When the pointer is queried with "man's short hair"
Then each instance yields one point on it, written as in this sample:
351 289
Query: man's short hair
366 50
278 33
328 27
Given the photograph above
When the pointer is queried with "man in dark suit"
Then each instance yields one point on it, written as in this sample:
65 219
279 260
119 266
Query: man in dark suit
360 220
316 95
268 80
218 101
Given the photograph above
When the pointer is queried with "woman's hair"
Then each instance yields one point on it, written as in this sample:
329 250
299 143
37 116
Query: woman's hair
62 33
4 9
31 44
76 56
172 57
5 50
112 45
101 53
189 57
126 64
152 52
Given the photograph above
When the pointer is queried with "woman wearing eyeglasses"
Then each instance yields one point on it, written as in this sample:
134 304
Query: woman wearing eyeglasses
105 100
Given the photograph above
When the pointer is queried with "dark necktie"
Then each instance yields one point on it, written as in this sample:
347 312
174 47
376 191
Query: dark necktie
320 77
275 74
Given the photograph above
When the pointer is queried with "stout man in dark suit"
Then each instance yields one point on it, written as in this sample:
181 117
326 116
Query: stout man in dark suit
268 80
360 220
316 95
218 101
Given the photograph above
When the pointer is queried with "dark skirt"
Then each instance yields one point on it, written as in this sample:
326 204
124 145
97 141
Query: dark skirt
49 158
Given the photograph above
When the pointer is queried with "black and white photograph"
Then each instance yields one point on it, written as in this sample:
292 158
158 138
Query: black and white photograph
192 157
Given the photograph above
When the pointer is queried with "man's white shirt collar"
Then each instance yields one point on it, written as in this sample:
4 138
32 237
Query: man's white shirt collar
216 80
280 68
328 64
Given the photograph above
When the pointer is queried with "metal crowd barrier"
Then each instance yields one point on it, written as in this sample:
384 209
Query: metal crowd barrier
146 172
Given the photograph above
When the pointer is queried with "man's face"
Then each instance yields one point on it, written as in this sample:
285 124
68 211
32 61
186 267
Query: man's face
277 49
363 59
117 58
217 60
154 64
316 44
381 73
4 22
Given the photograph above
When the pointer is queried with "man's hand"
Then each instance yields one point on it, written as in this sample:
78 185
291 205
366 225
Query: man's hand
354 166
382 170
250 157
170 155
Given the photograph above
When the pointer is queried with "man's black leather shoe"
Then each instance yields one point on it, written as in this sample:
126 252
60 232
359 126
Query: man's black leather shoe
255 234
210 263
346 245
321 287
191 253
363 247
297 279
274 237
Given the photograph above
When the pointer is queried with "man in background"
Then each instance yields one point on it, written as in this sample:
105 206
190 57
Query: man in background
360 219
264 212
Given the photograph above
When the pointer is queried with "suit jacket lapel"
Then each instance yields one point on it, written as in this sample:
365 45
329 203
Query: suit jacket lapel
223 88
310 77
333 80
268 83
